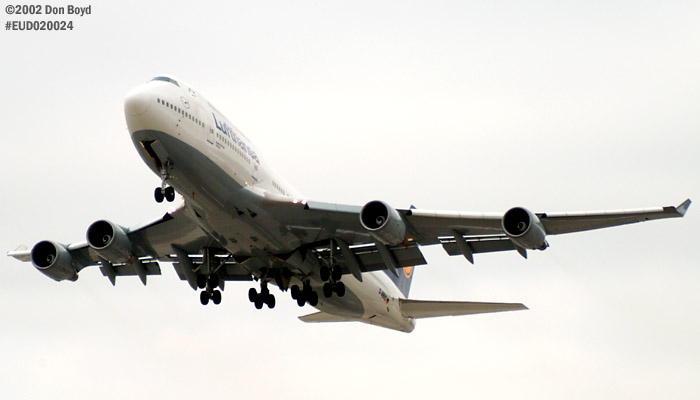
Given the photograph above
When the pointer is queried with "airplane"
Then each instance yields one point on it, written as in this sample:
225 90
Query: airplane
241 221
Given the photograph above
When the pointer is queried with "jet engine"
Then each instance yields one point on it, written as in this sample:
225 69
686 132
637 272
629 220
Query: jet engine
383 222
524 229
109 241
54 260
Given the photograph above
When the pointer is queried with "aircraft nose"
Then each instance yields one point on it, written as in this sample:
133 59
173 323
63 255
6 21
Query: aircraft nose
137 101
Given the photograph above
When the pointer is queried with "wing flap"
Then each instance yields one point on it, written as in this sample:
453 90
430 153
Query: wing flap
151 268
369 259
430 309
405 256
478 245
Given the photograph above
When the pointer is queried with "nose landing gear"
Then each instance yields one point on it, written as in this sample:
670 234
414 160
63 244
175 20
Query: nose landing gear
165 192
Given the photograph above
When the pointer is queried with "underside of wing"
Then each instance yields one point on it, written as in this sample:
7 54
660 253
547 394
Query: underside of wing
460 233
430 309
117 250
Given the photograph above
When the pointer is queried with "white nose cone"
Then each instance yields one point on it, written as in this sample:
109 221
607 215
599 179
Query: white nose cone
137 102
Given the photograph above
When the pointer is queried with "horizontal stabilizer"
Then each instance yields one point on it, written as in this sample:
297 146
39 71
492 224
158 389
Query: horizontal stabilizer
324 317
429 309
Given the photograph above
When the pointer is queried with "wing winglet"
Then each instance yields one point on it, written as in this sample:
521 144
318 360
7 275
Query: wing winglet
683 207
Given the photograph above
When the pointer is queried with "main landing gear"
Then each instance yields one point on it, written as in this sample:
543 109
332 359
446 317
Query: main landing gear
333 284
210 292
304 295
264 297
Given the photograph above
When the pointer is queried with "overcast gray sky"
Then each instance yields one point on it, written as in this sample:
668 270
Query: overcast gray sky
476 106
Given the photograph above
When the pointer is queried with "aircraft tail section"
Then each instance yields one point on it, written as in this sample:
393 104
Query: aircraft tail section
429 309
403 281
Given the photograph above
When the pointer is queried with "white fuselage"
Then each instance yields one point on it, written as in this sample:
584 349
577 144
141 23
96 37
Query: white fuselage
222 178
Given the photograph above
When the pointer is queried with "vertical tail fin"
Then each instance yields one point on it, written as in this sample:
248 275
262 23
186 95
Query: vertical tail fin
403 281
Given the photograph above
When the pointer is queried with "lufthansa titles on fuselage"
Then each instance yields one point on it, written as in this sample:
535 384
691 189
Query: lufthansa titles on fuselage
231 133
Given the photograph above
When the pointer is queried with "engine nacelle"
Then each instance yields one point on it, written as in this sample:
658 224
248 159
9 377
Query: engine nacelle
109 241
524 229
54 260
383 222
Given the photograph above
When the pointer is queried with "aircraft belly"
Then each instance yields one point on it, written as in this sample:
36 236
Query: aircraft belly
381 302
349 306
222 205
369 302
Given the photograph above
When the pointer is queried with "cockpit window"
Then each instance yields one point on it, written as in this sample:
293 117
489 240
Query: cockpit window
166 79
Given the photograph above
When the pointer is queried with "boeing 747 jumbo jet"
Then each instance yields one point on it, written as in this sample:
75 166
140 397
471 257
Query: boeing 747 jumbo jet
241 221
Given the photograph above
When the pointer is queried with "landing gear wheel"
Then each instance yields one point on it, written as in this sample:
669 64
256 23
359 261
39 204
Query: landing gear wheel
325 273
169 194
327 290
201 281
337 273
204 298
270 301
295 291
259 303
313 299
307 290
340 289
158 194
252 295
301 300
216 297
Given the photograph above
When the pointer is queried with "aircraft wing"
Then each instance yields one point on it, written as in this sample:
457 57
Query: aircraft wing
332 232
460 233
557 223
174 233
